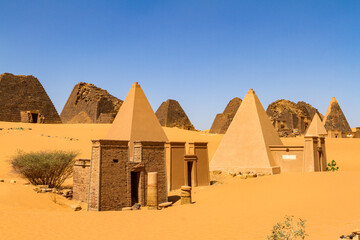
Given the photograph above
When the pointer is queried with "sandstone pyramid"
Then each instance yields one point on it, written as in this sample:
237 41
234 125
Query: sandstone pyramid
171 114
136 120
90 104
335 119
19 93
245 146
316 128
222 120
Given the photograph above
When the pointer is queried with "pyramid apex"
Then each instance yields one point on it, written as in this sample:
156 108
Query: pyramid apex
136 84
251 91
333 100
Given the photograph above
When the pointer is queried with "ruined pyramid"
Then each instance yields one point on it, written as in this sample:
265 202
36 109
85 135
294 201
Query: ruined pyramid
245 146
90 104
316 128
171 114
335 119
136 120
223 120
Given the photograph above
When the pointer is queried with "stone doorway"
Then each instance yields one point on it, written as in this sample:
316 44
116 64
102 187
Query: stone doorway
189 173
135 186
34 117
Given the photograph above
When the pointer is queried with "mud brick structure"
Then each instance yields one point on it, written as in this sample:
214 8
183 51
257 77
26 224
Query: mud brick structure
289 118
190 168
171 114
81 179
23 99
335 121
114 181
252 144
135 146
90 104
223 120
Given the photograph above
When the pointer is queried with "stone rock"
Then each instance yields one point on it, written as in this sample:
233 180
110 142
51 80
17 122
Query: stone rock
165 204
90 104
2 180
127 209
75 207
12 181
42 186
171 114
223 120
243 176
136 206
217 172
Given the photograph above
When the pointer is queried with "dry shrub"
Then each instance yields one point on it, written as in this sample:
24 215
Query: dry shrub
45 167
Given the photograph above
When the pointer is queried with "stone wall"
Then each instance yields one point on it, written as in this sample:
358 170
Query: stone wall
153 158
81 180
175 152
108 178
289 158
203 173
24 93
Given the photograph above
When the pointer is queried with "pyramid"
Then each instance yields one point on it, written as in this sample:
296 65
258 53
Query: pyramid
316 128
335 119
171 114
89 104
19 93
245 146
136 120
223 120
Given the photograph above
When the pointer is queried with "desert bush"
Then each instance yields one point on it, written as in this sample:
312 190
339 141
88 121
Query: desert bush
331 166
45 167
288 230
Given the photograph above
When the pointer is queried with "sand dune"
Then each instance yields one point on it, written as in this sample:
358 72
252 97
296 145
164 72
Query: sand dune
236 209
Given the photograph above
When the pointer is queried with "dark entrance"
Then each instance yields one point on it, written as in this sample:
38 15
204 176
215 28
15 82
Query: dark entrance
34 117
189 171
135 180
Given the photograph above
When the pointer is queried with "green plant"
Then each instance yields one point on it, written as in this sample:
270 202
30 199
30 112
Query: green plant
45 167
331 166
288 230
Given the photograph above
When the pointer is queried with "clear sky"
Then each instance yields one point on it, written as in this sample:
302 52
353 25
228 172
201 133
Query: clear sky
200 52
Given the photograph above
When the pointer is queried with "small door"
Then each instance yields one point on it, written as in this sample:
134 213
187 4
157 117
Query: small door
189 173
34 117
135 181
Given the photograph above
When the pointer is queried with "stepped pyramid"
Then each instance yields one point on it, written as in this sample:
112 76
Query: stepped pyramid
223 120
335 119
171 114
245 146
136 120
316 128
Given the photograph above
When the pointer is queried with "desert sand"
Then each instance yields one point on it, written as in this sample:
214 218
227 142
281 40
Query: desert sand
231 209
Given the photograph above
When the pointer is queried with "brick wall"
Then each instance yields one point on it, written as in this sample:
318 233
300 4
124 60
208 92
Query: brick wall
153 158
81 179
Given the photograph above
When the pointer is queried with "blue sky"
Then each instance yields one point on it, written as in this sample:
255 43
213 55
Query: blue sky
201 53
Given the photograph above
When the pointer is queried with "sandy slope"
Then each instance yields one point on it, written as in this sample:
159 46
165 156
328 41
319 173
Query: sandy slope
236 209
